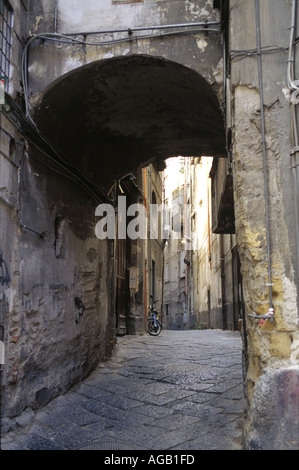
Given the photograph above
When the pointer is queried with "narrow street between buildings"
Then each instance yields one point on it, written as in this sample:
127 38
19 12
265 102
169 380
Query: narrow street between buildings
182 390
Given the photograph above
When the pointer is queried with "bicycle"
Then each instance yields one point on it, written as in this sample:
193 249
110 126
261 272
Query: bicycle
154 326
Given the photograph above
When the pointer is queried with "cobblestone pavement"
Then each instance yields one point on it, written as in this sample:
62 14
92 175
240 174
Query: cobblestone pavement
181 390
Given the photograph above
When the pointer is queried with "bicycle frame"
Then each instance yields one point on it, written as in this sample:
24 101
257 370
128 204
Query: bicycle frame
154 325
153 312
153 316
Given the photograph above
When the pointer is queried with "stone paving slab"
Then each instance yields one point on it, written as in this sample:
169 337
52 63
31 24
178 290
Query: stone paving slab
181 390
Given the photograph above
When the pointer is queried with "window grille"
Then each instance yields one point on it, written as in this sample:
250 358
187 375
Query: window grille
6 23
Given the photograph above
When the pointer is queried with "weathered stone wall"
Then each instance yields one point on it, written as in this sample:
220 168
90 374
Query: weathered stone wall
9 198
11 156
60 320
57 318
273 367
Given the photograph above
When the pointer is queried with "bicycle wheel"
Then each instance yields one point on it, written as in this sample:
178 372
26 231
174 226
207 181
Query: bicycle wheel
152 329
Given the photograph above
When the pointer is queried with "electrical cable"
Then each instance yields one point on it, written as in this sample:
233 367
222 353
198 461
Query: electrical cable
271 49
71 40
29 126
292 84
71 172
266 190
204 24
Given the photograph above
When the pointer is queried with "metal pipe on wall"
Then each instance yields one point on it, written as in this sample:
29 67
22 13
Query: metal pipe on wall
145 252
55 15
203 24
266 190
294 86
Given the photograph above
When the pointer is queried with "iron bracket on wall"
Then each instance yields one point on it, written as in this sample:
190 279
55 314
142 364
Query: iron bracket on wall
266 316
41 235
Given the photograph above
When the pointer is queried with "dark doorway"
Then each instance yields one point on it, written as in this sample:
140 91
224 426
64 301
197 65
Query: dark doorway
121 287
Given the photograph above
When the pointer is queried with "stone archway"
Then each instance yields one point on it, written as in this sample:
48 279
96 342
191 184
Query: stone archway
97 123
113 115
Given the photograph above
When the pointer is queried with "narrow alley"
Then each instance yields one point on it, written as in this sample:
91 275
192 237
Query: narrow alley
149 161
181 390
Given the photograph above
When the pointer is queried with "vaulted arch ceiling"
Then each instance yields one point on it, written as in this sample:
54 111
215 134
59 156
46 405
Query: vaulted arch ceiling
111 116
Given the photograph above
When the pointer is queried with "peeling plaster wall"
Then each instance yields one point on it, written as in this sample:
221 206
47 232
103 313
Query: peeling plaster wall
117 15
56 318
59 325
270 344
272 347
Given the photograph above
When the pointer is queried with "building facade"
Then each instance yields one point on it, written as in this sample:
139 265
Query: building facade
217 281
177 304
203 285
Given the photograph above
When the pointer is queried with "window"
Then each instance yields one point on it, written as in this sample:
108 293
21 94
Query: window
6 22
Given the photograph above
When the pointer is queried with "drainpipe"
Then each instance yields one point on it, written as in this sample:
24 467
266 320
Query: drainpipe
55 15
185 226
209 223
270 314
145 251
223 293
260 73
295 175
294 88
